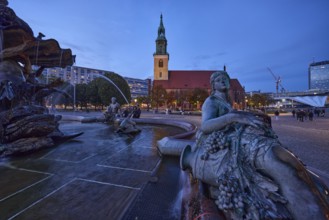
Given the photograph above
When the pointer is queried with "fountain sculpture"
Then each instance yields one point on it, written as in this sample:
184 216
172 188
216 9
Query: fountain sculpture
247 172
25 124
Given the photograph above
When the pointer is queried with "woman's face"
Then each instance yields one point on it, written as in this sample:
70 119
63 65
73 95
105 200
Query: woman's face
221 83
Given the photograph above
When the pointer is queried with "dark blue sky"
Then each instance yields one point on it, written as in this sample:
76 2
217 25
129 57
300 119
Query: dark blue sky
247 36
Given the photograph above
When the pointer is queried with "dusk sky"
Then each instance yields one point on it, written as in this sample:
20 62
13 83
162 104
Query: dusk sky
246 36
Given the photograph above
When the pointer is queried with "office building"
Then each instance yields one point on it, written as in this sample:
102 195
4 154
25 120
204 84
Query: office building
84 75
318 76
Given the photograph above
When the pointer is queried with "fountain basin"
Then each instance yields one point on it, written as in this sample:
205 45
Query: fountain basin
83 178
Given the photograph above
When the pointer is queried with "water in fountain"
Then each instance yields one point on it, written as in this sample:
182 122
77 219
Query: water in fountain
1 45
109 80
66 88
185 189
56 97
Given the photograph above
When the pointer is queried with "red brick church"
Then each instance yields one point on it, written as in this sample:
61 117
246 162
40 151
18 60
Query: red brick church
180 81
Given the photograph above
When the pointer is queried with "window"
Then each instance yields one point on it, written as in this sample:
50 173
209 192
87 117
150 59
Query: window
160 63
160 75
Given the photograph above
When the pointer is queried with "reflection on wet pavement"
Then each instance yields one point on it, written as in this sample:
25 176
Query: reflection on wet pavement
95 176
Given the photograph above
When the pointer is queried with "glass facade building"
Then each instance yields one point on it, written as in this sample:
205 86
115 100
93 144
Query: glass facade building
138 87
318 75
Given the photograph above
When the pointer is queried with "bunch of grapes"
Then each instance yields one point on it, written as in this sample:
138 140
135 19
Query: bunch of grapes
230 195
216 141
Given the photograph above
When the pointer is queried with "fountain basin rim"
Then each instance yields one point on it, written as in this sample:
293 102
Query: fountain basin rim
190 128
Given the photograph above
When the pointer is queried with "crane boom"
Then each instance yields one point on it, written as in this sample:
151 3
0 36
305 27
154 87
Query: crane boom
272 73
277 80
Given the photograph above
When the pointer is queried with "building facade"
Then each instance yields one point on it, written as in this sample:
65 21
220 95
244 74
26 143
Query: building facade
139 87
84 75
72 74
186 80
318 76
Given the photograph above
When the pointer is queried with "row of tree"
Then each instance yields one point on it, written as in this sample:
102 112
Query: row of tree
98 94
259 100
178 99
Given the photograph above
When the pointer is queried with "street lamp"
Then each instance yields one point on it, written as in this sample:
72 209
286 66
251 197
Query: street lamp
74 92
74 96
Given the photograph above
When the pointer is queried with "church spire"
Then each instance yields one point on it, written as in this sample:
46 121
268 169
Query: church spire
161 41
161 30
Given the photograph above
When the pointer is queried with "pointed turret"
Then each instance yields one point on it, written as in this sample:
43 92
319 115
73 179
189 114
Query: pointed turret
161 41
161 31
161 57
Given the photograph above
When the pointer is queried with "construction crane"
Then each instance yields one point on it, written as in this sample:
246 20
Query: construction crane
277 81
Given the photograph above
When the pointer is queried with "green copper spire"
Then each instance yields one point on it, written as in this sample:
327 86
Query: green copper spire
161 41
161 30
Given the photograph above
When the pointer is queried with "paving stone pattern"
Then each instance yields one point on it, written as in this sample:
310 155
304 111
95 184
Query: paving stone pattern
95 176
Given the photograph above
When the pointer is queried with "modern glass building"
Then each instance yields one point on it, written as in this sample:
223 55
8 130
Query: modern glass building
139 87
318 75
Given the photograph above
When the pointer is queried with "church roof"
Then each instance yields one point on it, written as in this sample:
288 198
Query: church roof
235 85
186 79
190 79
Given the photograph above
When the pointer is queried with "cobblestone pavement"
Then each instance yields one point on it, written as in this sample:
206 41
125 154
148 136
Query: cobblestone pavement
309 140
95 176
98 175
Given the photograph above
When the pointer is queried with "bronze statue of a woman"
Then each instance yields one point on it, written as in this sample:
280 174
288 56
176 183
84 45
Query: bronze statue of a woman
249 174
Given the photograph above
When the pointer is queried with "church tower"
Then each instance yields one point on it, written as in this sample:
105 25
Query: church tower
161 57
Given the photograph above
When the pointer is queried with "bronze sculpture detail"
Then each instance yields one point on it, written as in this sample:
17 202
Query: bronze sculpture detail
25 124
248 172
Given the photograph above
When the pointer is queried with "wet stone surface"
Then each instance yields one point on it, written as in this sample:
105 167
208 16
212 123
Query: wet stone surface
95 176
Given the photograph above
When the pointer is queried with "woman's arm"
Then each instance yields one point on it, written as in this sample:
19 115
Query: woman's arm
214 118
218 123
211 116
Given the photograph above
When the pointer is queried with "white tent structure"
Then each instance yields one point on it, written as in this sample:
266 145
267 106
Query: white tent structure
315 101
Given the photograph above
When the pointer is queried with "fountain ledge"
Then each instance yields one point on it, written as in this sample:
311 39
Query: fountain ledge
171 145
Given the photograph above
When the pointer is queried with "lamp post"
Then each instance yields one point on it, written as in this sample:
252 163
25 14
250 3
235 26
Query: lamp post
74 96
74 82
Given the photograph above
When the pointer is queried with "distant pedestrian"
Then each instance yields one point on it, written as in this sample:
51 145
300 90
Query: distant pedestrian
310 115
136 111
276 113
53 109
125 112
300 115
293 113
317 112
